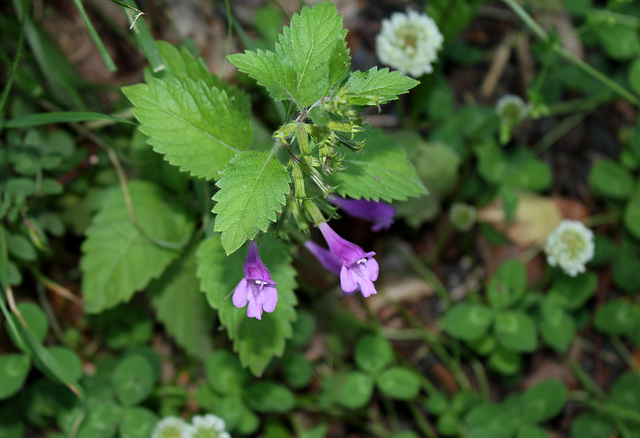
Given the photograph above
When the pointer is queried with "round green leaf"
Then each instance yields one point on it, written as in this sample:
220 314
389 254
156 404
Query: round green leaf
249 422
507 284
592 426
270 397
516 331
137 423
133 379
356 390
625 273
70 363
14 369
625 393
224 372
491 421
619 41
617 317
632 215
36 321
504 361
400 383
611 180
436 404
373 354
303 329
448 425
572 292
468 321
297 369
531 431
484 345
543 401
20 247
101 420
556 326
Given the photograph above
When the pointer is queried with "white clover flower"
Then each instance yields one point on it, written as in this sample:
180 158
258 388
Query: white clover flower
409 42
170 427
207 426
462 215
511 108
570 246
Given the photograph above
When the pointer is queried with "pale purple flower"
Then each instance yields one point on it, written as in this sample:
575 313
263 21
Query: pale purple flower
358 270
378 212
256 288
324 256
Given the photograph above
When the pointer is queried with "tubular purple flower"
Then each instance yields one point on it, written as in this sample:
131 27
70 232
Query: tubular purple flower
256 288
358 270
324 256
378 212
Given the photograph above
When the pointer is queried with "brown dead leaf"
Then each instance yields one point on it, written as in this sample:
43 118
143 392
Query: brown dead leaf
535 218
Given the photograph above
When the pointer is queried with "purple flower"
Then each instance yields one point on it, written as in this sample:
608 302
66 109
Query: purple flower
378 212
358 270
324 256
256 288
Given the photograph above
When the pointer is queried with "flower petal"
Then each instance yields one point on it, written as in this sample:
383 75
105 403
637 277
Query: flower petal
366 287
348 279
241 294
324 256
254 310
269 298
373 269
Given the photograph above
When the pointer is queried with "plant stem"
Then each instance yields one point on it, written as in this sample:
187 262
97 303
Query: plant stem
538 30
422 422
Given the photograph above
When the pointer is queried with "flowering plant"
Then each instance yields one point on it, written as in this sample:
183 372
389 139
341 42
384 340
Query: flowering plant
266 195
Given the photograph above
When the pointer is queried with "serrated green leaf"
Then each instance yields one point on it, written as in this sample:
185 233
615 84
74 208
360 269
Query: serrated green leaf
269 70
252 190
310 58
377 85
181 307
118 258
198 128
256 341
182 64
380 171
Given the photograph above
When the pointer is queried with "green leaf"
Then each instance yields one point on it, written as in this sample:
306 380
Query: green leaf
298 371
310 58
520 169
468 321
557 328
625 273
119 257
197 128
531 431
133 379
181 307
380 171
572 292
632 215
356 390
253 189
69 362
59 117
256 341
14 369
137 423
379 86
515 330
619 41
36 320
611 180
617 317
543 401
400 383
182 64
373 354
101 420
224 373
634 76
592 426
507 285
504 361
270 397
20 247
625 393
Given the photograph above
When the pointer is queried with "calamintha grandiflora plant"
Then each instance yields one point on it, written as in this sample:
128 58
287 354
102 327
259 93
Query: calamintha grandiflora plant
267 194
